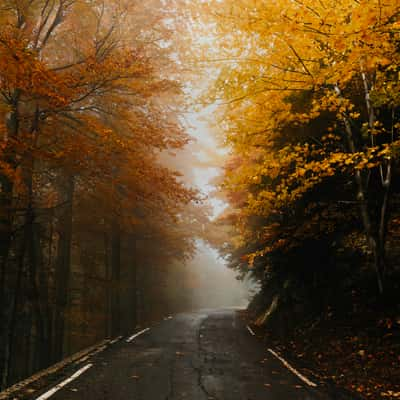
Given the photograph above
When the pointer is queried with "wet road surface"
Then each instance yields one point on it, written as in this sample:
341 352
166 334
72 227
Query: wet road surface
209 355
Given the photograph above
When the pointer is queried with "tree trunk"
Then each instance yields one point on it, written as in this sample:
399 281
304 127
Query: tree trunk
108 287
44 284
63 270
35 254
375 244
41 346
380 259
6 204
6 182
11 325
133 288
116 278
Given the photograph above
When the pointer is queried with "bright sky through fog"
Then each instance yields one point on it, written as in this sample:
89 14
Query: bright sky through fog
208 144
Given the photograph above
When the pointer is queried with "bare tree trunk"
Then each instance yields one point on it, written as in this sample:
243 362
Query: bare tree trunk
133 274
35 252
10 330
383 220
3 267
374 244
41 359
6 204
6 183
379 255
63 270
44 280
108 289
116 278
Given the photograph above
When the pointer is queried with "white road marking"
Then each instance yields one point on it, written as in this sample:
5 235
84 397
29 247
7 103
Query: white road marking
293 370
116 340
136 335
251 331
64 383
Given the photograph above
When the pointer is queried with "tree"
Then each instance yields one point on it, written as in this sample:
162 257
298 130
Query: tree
88 106
310 97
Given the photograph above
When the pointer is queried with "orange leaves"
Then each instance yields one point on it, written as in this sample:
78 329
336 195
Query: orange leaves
94 99
21 69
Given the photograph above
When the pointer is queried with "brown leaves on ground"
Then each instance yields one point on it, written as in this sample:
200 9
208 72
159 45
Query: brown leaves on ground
356 352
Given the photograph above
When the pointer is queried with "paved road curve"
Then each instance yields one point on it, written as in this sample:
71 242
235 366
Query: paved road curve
208 355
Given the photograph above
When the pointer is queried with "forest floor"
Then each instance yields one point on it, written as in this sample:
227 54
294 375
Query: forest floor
357 350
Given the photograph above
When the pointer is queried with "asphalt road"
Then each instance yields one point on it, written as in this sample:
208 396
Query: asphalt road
209 355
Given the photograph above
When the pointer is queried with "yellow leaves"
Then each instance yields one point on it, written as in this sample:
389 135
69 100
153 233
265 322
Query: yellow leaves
330 137
391 394
348 161
354 115
296 116
384 62
301 172
340 44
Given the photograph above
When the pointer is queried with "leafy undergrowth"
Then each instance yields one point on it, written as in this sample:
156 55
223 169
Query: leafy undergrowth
357 350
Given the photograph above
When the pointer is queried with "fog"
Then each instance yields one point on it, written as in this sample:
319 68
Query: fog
215 285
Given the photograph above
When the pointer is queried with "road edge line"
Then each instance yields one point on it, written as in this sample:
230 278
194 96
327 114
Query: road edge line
250 330
136 335
292 369
19 386
65 382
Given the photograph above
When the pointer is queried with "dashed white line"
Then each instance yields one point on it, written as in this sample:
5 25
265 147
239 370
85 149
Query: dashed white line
251 331
64 383
137 334
293 370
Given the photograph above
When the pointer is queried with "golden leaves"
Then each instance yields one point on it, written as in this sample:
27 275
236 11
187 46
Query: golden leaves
294 81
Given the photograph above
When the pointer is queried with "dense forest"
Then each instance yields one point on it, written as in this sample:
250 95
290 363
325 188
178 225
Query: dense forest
310 109
92 218
98 218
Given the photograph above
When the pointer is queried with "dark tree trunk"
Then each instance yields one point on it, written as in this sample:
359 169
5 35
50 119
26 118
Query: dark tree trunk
116 278
63 270
39 293
108 287
376 240
133 294
6 204
35 258
16 293
6 183
45 288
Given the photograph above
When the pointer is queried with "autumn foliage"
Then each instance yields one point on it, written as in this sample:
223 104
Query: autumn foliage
309 108
310 92
308 95
88 104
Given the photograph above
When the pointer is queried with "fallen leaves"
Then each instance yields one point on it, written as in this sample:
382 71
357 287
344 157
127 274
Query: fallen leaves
351 350
391 394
